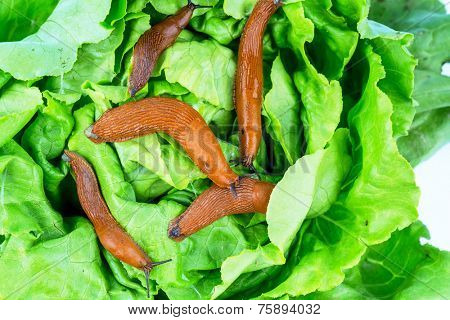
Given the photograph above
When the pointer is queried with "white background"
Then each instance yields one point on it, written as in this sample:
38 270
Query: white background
433 178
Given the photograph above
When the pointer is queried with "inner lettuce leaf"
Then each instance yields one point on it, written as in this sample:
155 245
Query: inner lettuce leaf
39 249
218 25
117 11
321 175
52 50
282 108
4 78
171 6
45 140
352 11
321 98
334 42
399 63
18 104
205 68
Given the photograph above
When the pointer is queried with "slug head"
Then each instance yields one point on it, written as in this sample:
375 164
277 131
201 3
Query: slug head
183 16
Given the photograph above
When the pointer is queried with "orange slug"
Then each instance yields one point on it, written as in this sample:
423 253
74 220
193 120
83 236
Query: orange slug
215 203
249 79
153 43
110 233
175 118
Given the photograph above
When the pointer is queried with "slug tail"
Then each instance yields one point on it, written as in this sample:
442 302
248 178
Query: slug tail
174 231
247 161
132 92
233 191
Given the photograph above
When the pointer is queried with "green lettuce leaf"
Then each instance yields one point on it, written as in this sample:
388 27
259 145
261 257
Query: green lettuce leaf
205 68
95 62
353 11
45 140
431 279
18 104
429 23
52 50
4 78
19 19
399 64
171 6
117 12
170 164
289 205
400 268
432 90
429 132
334 42
322 99
282 108
39 249
321 175
337 239
218 25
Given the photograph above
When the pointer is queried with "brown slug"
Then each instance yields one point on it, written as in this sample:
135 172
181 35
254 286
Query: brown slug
177 119
215 203
249 79
153 43
109 232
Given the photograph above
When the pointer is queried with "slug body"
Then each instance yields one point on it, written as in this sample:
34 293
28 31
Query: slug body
215 203
109 232
175 118
249 79
153 43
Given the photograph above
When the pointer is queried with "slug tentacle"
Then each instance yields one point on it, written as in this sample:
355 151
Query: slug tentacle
197 6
